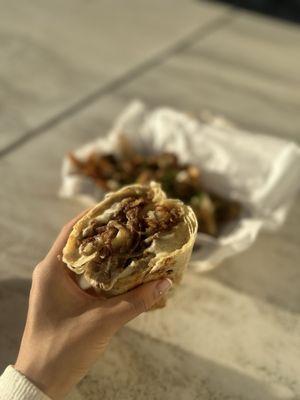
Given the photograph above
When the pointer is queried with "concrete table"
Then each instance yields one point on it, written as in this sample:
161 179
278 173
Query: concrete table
232 333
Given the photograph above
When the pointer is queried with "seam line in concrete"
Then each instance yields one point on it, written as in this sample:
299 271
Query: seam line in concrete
187 41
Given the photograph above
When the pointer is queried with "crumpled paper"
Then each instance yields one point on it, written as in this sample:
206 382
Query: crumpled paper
260 171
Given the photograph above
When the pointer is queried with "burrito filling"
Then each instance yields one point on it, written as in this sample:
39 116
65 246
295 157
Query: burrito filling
124 233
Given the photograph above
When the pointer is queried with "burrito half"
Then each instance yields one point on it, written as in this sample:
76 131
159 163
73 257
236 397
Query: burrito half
133 236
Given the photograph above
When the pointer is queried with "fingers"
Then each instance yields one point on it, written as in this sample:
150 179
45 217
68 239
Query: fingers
62 238
127 306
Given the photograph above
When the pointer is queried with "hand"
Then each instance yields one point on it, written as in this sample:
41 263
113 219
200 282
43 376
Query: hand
67 329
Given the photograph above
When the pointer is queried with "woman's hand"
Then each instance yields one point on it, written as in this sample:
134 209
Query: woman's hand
67 329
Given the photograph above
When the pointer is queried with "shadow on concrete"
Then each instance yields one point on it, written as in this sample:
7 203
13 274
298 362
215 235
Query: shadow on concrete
138 366
287 9
13 309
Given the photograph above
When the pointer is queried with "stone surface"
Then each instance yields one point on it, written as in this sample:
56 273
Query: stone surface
54 54
232 333
247 71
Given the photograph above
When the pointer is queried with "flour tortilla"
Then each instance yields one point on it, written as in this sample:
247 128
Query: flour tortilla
172 250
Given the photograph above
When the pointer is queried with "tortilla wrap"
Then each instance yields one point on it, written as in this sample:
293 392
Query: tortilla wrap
134 235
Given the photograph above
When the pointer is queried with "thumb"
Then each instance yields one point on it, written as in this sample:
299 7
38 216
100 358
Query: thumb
129 305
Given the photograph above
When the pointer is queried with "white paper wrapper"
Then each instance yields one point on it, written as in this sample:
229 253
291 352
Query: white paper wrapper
261 172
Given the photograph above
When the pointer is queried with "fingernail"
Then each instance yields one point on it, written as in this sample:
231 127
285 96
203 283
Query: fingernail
163 286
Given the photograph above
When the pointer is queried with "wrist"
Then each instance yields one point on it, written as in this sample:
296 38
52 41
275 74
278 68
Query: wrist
44 377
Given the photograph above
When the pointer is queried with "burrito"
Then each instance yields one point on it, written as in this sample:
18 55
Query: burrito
134 235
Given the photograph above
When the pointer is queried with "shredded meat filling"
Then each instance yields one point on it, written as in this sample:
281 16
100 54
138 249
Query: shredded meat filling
128 235
178 180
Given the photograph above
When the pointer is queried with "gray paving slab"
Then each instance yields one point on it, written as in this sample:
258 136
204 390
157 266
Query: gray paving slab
248 71
54 54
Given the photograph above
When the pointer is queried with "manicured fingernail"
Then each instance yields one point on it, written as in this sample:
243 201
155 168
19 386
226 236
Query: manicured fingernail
163 286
